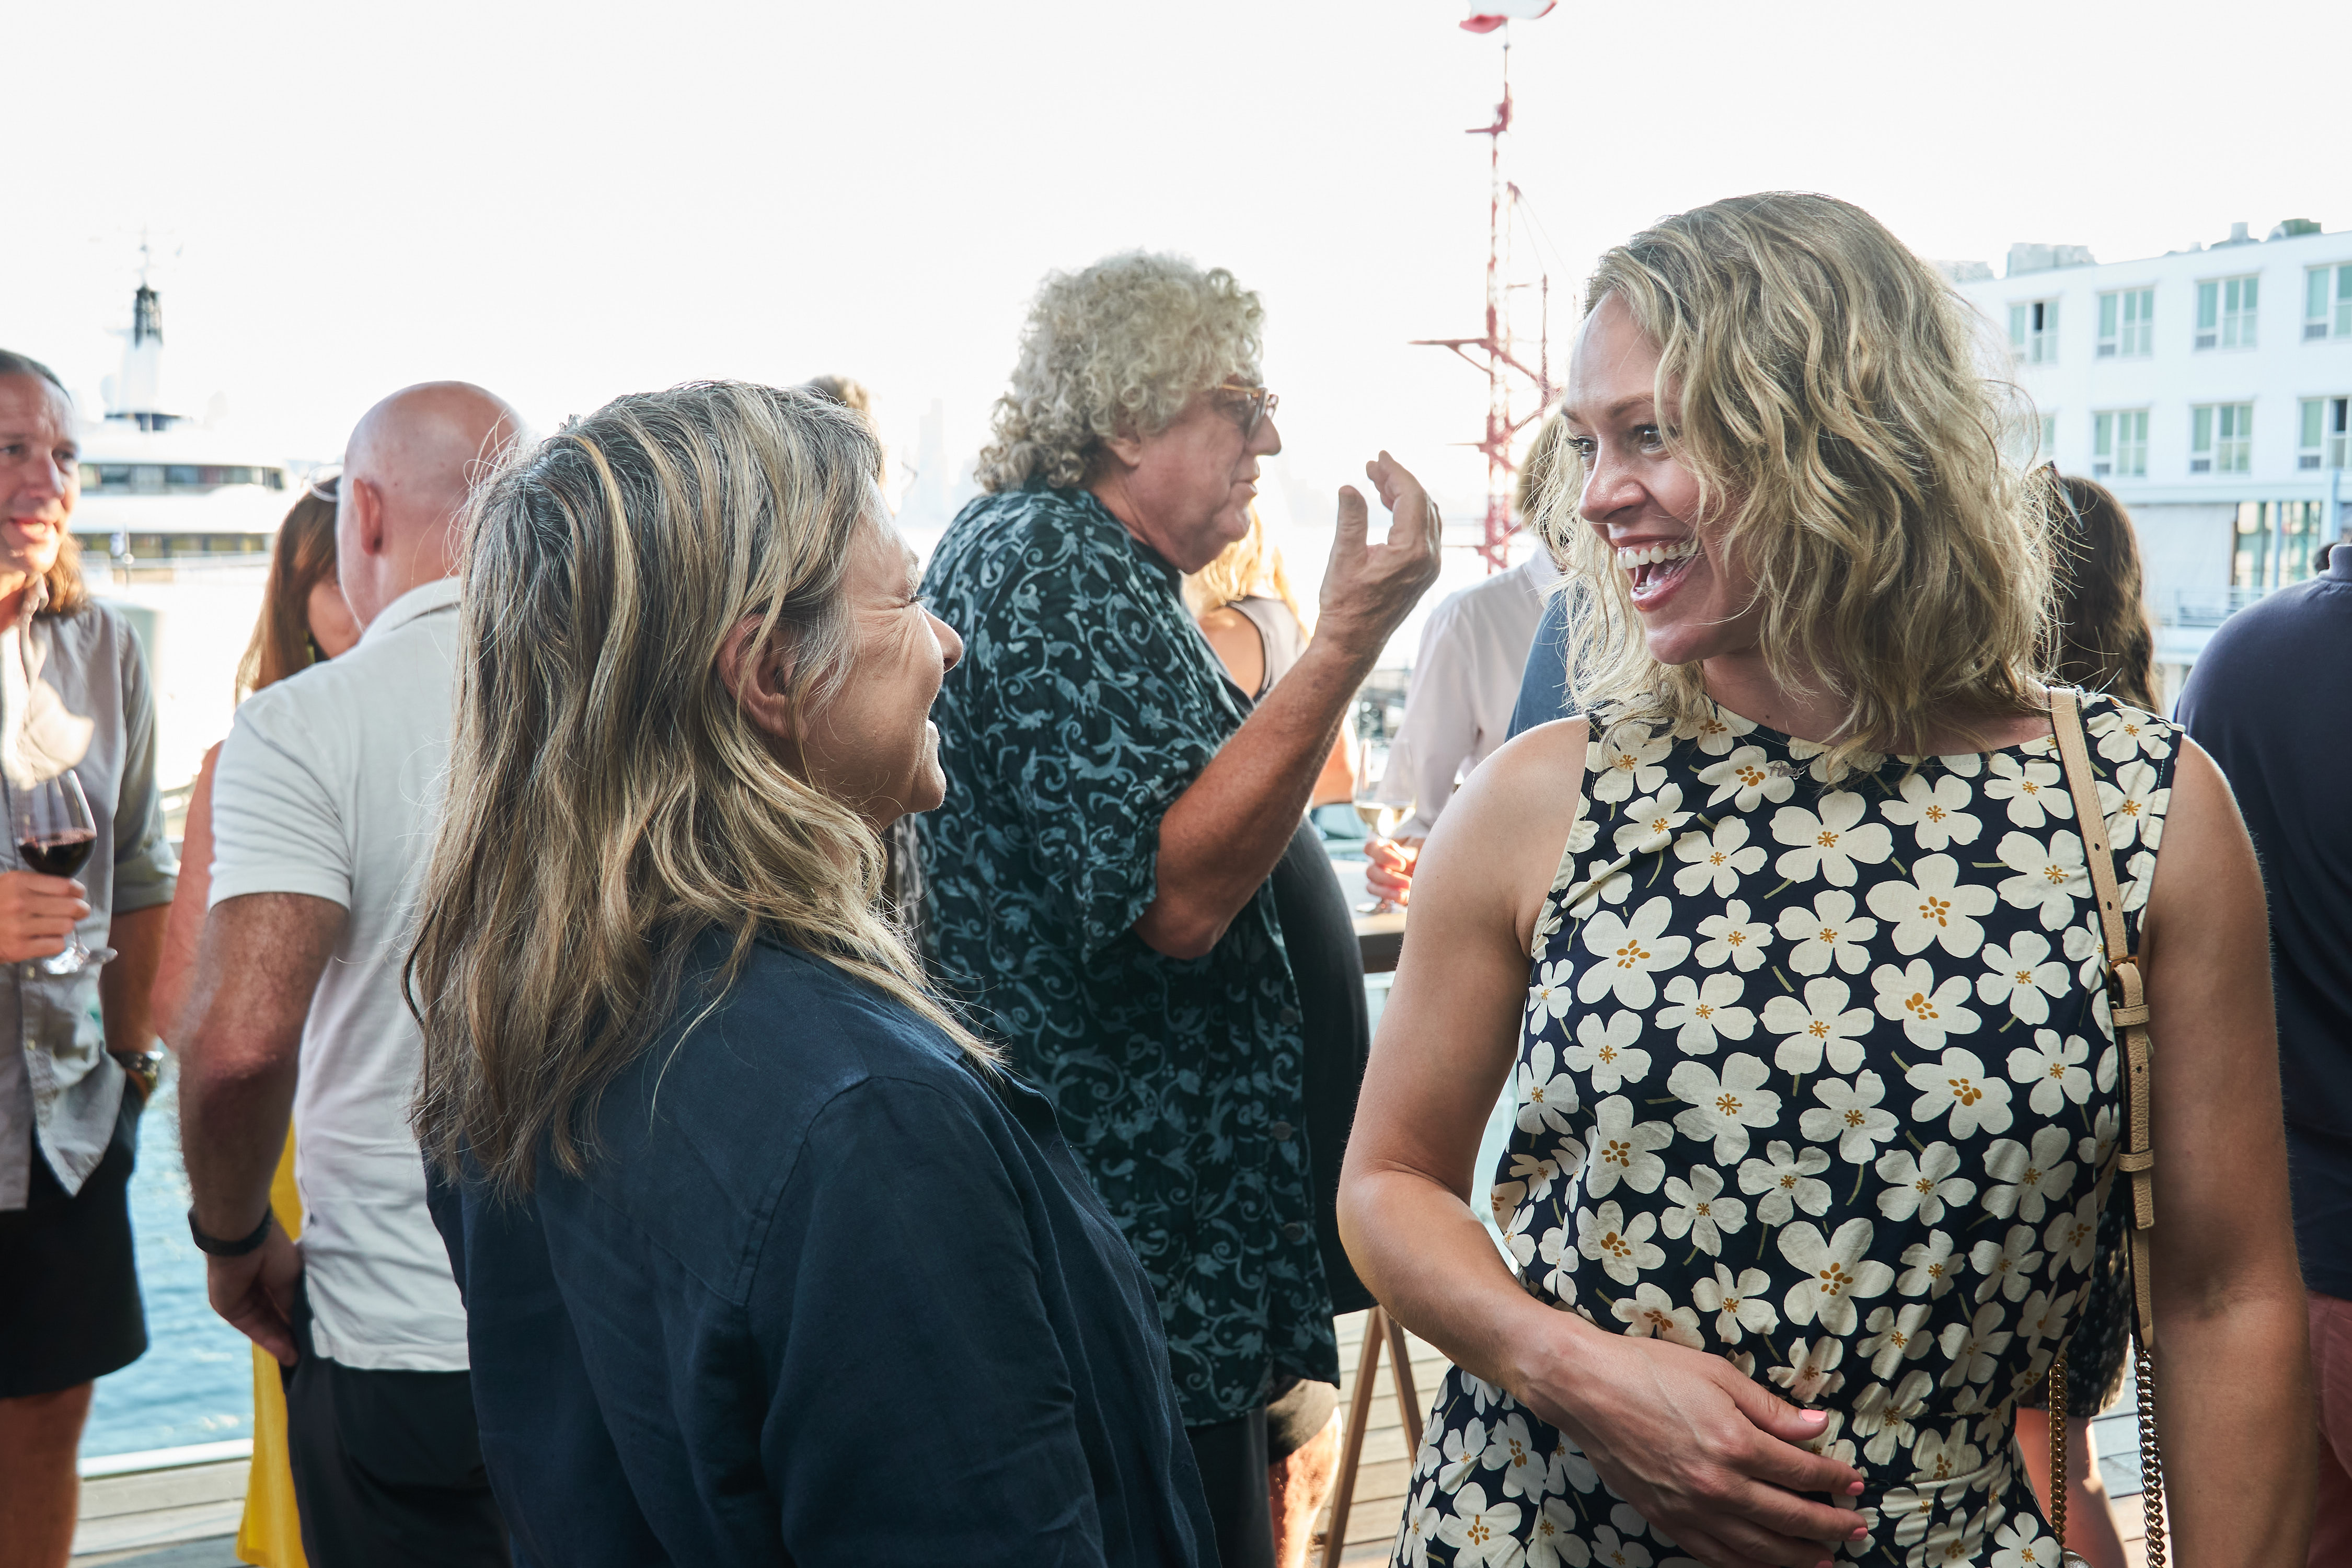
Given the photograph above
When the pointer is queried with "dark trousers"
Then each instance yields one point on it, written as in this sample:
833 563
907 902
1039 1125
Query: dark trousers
1233 1459
387 1466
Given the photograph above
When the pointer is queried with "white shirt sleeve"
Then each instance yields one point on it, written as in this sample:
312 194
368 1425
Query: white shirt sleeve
1440 723
280 822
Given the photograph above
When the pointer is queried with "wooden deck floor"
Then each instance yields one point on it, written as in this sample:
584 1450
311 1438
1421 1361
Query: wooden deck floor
181 1517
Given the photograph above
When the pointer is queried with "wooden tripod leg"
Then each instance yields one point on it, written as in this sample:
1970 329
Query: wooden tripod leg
1408 1402
1360 1409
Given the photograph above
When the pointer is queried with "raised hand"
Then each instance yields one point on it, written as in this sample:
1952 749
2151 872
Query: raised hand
1368 588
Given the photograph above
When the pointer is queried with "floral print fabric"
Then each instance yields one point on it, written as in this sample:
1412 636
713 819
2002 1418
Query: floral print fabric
1819 1078
1086 702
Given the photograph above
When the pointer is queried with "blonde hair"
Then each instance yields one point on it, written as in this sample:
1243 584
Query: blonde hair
1119 349
1249 564
609 801
1828 389
1538 471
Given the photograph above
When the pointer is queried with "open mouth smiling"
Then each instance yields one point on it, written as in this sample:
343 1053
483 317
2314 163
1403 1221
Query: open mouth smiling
1654 567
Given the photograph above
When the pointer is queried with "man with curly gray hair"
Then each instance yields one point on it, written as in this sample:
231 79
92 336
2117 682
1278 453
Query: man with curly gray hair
1102 875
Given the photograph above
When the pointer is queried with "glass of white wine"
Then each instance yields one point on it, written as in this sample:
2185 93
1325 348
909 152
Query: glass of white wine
1380 818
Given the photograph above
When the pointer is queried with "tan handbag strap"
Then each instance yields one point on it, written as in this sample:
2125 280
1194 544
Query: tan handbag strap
2128 996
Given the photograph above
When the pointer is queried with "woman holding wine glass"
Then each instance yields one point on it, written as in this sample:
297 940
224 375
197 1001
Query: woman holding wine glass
81 924
1243 602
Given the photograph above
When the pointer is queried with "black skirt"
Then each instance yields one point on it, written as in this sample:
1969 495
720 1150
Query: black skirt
70 1307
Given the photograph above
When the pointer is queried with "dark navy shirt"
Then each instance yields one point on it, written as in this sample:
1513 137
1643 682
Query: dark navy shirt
2269 698
825 1296
1543 690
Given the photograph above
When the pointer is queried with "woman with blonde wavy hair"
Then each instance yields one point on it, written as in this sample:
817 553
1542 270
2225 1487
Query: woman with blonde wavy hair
1792 947
766 1259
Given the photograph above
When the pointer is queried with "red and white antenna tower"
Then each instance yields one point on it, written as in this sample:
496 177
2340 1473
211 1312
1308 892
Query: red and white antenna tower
1497 352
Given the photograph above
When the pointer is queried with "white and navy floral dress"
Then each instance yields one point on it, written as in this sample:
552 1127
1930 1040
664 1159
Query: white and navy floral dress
1818 1077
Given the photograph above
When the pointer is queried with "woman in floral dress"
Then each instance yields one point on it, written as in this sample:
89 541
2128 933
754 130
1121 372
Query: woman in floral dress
1793 951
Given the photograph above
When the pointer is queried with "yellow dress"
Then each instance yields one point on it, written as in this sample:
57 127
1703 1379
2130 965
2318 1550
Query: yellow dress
270 1534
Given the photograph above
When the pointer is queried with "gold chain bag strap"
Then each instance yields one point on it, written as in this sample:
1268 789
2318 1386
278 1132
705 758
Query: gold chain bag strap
2128 995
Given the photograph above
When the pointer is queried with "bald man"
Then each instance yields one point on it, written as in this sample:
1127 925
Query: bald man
322 815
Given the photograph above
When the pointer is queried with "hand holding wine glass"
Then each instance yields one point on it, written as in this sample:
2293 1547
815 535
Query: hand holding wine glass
55 836
1380 818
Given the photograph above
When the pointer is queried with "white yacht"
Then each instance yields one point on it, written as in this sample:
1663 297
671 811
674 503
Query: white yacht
176 520
158 488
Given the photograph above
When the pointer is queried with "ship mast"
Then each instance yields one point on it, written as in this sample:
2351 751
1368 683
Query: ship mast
1495 351
138 388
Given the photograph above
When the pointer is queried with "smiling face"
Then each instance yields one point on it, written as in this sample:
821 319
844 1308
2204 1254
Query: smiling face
40 477
1644 503
872 744
1186 491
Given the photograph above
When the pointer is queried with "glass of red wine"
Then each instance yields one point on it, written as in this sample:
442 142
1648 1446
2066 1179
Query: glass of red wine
55 834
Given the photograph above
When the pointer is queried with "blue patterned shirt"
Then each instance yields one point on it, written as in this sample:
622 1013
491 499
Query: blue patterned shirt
1086 702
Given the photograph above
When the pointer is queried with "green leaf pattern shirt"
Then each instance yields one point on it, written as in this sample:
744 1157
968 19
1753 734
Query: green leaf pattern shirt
1086 702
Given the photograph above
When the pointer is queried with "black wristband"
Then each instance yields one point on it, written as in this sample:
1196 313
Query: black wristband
215 1247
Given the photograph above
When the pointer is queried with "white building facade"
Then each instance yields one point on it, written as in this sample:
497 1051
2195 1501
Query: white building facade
2212 390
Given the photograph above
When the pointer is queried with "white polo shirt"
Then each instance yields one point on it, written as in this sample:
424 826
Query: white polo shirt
329 785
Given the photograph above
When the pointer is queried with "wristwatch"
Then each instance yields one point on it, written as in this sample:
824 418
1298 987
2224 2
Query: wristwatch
213 1246
144 1067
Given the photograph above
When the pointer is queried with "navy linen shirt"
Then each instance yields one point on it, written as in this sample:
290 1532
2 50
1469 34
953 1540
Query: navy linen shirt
2271 700
1086 702
1543 688
825 1296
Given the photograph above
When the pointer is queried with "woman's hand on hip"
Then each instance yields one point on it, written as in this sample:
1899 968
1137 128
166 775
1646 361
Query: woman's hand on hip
37 914
1707 1456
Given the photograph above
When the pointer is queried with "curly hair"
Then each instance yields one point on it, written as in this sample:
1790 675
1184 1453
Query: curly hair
2100 639
1831 397
1116 350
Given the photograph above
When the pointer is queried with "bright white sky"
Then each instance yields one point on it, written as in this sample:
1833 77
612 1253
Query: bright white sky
568 201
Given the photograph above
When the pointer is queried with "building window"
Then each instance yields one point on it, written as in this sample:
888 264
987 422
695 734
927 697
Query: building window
2221 438
2325 436
2126 323
2119 444
2033 331
2327 302
2225 312
2275 542
2049 449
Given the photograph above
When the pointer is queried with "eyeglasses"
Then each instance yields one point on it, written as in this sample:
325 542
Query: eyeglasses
324 484
1254 404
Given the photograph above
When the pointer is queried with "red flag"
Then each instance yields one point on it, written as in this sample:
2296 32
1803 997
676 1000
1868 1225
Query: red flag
1501 11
